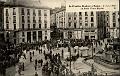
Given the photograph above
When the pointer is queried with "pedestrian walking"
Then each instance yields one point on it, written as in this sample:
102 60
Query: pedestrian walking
23 66
36 74
62 53
39 51
44 52
41 62
45 57
30 53
30 58
33 53
35 67
24 56
36 62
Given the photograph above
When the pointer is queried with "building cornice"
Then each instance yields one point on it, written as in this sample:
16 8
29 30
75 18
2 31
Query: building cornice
25 6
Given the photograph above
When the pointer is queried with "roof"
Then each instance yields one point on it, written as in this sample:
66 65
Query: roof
40 7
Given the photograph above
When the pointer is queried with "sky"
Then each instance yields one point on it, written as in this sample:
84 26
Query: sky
49 3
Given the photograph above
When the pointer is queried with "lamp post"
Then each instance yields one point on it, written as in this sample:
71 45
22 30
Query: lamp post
70 56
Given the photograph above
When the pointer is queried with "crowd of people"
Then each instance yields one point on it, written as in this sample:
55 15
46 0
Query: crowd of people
10 56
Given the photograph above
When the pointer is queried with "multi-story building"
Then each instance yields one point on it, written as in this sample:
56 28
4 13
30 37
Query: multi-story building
1 21
1 15
108 24
87 25
26 24
77 25
114 24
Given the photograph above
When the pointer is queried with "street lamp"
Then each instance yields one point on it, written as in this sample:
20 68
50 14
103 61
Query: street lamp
70 52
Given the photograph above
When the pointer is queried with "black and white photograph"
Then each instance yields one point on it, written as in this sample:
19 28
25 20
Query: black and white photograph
59 38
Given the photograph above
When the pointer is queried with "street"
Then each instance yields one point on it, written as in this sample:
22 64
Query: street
29 69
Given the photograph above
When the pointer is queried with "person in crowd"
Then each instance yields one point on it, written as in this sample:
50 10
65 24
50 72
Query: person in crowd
24 56
62 53
44 52
23 66
36 62
36 74
30 58
30 53
33 53
39 51
35 67
41 62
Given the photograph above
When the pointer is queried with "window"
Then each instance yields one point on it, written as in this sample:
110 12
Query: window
34 21
7 12
34 12
92 30
86 31
92 24
23 34
22 11
69 18
114 24
7 26
7 35
14 26
7 21
86 14
45 32
114 18
86 24
39 25
23 20
45 12
23 26
14 19
45 25
39 12
92 19
92 36
92 14
28 19
69 24
14 12
34 25
45 21
34 35
28 26
45 37
80 18
23 40
40 35
39 19
74 18
28 11
80 13
74 25
86 19
80 24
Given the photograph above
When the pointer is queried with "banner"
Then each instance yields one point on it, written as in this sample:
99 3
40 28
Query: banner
92 5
